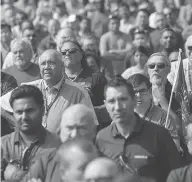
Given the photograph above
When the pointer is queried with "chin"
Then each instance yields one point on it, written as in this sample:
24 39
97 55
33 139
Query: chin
156 81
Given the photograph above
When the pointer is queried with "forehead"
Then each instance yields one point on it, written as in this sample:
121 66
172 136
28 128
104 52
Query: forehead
28 31
17 46
48 56
24 103
69 45
168 33
113 92
157 59
141 86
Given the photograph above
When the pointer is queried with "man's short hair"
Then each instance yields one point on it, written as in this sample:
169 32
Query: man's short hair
113 17
144 11
119 81
168 30
138 79
25 91
5 25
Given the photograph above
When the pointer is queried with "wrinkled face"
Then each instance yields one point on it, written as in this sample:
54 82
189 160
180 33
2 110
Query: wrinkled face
9 17
188 49
142 18
168 40
77 161
140 39
53 28
123 12
114 25
160 21
140 58
143 95
22 56
50 67
6 35
27 114
92 63
76 127
72 55
119 104
30 35
157 69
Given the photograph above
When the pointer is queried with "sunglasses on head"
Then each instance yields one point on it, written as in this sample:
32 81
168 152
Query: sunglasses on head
159 66
70 51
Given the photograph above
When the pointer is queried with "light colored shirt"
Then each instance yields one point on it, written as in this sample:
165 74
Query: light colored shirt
70 93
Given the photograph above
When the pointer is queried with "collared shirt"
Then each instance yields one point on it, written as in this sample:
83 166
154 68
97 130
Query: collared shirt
149 149
15 149
51 93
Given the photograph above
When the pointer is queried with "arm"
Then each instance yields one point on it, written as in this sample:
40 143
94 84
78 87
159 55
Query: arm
103 48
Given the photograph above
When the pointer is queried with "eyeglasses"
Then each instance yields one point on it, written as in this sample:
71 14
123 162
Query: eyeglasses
69 51
141 91
159 66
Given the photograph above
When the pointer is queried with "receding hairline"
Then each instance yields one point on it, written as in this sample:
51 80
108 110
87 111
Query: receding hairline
51 53
83 111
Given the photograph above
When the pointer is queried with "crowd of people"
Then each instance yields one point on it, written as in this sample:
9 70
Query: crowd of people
89 90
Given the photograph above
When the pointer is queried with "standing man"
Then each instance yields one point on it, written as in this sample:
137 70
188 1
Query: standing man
31 140
59 93
139 147
114 45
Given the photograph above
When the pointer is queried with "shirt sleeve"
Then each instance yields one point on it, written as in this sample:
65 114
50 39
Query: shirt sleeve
173 177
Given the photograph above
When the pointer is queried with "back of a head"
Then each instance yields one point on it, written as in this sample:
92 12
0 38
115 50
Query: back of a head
74 146
127 178
101 168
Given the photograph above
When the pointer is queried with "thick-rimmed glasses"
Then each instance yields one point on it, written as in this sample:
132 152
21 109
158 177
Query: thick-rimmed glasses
159 66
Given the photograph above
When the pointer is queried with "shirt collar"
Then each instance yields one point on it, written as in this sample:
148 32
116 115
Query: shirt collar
40 138
138 127
57 86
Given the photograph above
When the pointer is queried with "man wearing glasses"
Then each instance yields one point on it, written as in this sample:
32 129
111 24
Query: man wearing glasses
158 66
139 147
147 110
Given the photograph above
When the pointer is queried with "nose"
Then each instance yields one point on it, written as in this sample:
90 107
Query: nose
117 105
156 67
138 94
47 65
24 116
74 133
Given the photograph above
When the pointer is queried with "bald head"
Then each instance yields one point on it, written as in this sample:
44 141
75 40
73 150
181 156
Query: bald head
74 155
77 120
101 168
51 53
63 33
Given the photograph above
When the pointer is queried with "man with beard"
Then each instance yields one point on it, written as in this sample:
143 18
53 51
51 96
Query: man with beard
31 140
147 110
23 69
159 66
168 41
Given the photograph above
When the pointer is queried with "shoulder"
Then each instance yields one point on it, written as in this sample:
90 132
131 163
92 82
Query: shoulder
127 73
104 133
105 35
36 83
75 87
183 174
8 138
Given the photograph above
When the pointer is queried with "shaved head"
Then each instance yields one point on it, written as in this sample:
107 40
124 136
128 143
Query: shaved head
77 120
101 168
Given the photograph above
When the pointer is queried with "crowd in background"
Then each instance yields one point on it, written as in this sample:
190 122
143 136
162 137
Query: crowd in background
91 90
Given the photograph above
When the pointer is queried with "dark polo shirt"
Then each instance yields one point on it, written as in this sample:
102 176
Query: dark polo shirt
149 150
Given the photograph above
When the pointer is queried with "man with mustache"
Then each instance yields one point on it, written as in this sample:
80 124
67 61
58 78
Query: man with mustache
159 66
